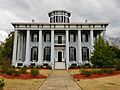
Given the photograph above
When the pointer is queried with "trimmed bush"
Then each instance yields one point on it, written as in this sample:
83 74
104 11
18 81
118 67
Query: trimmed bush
17 73
10 71
100 72
87 73
110 71
34 72
23 70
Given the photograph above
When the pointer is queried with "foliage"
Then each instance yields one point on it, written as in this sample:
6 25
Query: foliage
34 72
49 67
6 49
86 72
17 73
23 70
110 71
2 83
10 71
102 56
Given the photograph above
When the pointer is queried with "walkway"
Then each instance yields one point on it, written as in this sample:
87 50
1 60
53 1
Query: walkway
59 80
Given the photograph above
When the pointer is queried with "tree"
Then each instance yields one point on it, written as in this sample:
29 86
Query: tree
8 47
102 56
6 50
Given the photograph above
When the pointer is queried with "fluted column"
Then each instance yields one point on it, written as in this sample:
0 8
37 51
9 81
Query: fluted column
14 49
40 48
67 49
52 48
91 41
27 57
79 47
18 46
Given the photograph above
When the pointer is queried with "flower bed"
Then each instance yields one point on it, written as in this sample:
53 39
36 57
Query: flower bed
23 76
82 76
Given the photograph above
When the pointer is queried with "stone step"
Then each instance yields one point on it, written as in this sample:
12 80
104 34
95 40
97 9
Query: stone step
60 65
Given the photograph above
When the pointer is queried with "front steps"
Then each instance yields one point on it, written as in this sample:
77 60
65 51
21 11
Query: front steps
60 65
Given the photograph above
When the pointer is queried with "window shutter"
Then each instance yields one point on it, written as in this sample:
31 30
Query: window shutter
86 37
37 37
31 53
44 37
32 37
74 54
88 53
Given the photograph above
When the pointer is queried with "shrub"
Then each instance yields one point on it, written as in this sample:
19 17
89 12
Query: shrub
10 71
17 73
34 72
49 67
23 70
94 71
87 73
2 84
38 66
110 71
4 69
100 72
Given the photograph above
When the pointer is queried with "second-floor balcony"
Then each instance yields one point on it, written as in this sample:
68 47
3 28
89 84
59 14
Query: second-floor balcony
59 42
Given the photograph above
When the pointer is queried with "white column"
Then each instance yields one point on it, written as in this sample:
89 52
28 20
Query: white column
91 41
104 34
14 49
52 48
40 48
18 46
79 47
67 49
27 57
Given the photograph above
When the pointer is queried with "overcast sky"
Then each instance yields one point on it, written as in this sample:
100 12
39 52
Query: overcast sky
91 10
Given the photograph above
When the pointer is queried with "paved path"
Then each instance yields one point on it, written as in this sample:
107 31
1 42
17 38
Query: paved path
60 80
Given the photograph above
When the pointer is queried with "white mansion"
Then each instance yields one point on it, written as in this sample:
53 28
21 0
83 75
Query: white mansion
59 43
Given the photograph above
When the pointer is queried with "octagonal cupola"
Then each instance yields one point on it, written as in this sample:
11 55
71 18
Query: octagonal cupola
59 16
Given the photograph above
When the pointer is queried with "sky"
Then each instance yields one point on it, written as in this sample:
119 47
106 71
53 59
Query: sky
81 10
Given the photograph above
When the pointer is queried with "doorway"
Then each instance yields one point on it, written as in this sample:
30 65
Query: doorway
59 56
59 39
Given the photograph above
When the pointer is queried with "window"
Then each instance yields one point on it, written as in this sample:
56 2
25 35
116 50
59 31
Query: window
72 54
46 37
85 54
34 37
47 52
72 38
34 54
85 37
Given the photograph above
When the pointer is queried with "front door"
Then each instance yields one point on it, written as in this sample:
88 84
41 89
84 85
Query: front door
59 39
59 56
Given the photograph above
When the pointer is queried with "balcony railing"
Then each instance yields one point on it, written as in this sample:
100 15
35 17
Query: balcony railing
60 42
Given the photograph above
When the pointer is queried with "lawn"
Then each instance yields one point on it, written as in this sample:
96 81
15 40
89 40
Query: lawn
26 84
104 83
17 84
